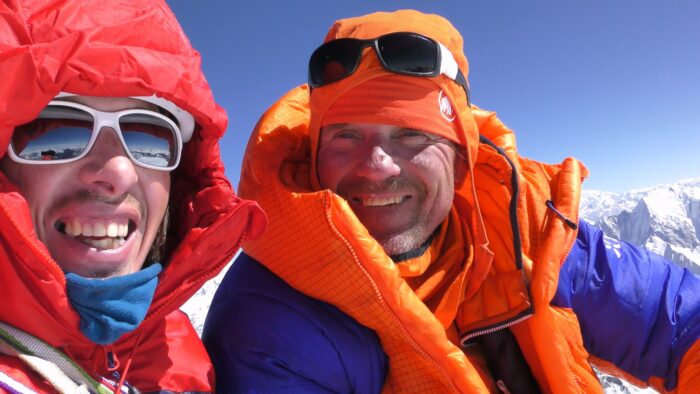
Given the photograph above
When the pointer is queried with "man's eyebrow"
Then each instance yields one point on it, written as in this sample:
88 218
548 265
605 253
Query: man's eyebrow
335 126
430 134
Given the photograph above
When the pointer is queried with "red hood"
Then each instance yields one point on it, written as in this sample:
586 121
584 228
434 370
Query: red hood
90 48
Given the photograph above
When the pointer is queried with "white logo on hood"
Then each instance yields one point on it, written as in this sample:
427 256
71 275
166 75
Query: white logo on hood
446 109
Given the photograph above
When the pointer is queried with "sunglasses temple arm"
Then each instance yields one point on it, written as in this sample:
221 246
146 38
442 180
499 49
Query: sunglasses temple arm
463 82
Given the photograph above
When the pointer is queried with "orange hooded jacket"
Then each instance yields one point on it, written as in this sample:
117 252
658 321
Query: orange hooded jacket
130 48
317 245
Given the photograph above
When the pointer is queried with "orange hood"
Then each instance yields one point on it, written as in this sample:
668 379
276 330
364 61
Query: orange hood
465 125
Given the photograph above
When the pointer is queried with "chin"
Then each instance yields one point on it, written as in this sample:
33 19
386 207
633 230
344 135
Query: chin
400 243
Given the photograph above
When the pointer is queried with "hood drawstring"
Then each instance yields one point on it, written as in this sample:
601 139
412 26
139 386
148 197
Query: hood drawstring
112 360
113 365
122 380
566 220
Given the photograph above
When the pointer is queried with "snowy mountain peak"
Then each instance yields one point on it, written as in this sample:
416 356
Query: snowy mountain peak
664 219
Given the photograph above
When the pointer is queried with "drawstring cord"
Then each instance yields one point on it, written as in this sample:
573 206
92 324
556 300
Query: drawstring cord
112 361
566 220
128 365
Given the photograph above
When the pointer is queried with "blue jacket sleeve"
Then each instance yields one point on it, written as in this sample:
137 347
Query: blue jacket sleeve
636 309
264 336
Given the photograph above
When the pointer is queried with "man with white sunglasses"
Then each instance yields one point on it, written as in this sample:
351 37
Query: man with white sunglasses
411 249
114 207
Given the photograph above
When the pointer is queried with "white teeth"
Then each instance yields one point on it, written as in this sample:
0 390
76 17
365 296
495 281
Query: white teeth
87 230
111 229
103 243
73 228
99 230
377 202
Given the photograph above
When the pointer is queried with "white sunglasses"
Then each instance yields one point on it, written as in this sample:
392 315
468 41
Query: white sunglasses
65 131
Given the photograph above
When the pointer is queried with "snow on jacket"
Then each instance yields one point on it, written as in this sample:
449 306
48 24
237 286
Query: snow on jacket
130 48
522 216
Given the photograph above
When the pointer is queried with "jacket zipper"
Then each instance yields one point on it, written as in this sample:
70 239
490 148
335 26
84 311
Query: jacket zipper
527 314
516 241
517 247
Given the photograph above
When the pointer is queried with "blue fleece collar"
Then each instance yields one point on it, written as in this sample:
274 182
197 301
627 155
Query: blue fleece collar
109 308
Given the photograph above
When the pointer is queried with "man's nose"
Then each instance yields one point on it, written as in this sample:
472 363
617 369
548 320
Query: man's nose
378 165
107 169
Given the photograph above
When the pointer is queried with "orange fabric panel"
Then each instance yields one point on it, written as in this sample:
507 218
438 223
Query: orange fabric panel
554 240
393 99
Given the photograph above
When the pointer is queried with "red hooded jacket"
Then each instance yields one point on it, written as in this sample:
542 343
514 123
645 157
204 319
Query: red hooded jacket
129 48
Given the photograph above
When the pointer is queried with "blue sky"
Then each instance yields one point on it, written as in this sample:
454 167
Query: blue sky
615 84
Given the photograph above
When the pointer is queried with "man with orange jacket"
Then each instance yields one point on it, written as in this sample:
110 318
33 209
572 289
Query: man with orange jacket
411 249
114 207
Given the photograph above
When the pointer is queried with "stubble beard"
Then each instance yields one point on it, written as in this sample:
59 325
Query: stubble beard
157 251
401 243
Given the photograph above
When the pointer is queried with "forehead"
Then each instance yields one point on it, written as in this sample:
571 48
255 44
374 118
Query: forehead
371 127
388 130
110 104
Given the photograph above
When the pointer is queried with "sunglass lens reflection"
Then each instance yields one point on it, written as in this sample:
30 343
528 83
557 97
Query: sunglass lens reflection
51 139
150 140
408 54
335 61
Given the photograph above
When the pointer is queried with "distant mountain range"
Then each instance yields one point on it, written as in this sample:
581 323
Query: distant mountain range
664 219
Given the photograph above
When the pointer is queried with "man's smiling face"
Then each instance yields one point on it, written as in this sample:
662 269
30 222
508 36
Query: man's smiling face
398 181
98 216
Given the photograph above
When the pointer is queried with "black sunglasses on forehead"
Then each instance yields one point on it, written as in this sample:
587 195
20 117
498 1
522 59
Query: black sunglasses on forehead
402 53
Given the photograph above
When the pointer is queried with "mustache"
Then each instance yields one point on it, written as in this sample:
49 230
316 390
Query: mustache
364 186
84 195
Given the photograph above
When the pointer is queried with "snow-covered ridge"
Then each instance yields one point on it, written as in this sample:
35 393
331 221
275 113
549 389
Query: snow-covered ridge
664 219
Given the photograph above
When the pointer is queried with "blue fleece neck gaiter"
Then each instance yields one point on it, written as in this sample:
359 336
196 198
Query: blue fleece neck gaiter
109 308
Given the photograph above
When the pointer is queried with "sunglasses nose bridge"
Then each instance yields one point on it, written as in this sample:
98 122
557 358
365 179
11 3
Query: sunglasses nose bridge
108 140
106 119
368 56
109 120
